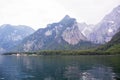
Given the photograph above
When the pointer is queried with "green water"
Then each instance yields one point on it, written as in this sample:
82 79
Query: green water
59 67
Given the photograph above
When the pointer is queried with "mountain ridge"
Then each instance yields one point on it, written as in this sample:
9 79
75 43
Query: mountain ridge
68 34
113 46
11 35
107 27
64 34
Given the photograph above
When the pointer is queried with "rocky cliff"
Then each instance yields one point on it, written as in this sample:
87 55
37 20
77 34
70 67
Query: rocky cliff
64 34
11 35
107 28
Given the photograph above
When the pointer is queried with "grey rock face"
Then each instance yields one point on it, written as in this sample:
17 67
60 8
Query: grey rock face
10 36
86 29
73 35
107 28
66 31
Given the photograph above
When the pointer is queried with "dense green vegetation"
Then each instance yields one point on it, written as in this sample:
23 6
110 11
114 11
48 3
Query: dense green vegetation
61 52
113 46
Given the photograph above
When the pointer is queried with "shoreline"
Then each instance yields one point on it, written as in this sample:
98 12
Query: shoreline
60 52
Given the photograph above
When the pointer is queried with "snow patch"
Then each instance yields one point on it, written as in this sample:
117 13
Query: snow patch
110 30
86 31
118 11
48 33
112 22
28 45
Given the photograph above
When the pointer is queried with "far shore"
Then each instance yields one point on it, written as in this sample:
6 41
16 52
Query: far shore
61 52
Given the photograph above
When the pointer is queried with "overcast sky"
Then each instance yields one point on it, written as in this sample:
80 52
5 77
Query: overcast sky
39 13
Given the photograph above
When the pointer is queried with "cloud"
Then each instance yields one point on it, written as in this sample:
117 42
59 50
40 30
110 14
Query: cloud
39 13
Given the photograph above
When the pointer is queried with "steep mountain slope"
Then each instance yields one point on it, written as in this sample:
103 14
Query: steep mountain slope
113 45
107 28
86 29
10 36
62 35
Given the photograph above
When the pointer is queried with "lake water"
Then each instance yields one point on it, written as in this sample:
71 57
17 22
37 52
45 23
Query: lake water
59 67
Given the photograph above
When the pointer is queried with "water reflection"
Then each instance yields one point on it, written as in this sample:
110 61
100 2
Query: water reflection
72 73
58 68
15 68
49 78
95 73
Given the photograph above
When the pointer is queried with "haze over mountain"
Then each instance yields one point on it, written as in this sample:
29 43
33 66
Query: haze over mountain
106 28
39 13
10 36
113 46
69 34
63 35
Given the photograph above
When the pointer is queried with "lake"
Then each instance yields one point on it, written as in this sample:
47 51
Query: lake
60 67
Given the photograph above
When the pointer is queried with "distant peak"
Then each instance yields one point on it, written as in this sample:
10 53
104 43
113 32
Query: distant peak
66 17
117 8
5 25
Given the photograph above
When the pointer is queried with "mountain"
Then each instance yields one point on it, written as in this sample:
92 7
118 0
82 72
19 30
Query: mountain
113 45
64 34
107 28
11 35
68 34
86 29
